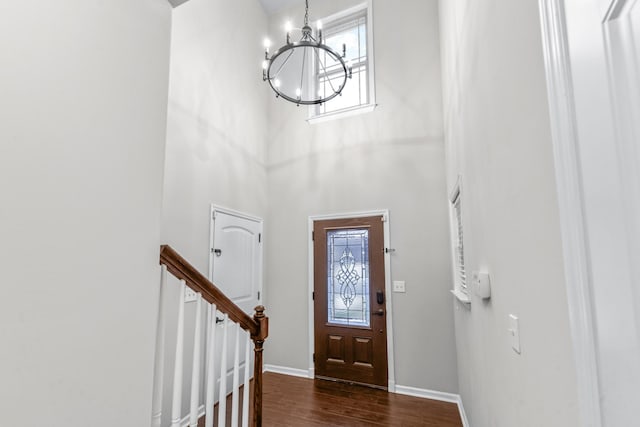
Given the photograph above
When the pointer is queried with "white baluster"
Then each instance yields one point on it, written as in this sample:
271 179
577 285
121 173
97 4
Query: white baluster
247 385
207 332
211 367
222 397
158 371
195 370
236 374
177 369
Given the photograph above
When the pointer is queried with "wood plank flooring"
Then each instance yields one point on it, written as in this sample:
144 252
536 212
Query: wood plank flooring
292 402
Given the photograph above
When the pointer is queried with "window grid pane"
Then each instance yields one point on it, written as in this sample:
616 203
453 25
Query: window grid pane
351 32
354 94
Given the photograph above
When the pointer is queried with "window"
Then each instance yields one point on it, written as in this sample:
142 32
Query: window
457 245
352 29
348 277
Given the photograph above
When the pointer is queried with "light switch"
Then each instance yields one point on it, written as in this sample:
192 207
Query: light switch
398 286
514 332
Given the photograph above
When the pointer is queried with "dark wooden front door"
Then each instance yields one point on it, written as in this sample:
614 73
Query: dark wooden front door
350 300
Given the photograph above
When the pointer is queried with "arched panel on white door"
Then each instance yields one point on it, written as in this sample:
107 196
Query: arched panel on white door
235 253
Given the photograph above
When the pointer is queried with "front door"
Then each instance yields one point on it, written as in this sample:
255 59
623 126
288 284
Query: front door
349 301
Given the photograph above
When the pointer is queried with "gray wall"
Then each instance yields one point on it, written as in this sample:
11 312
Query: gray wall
498 138
391 158
216 139
83 107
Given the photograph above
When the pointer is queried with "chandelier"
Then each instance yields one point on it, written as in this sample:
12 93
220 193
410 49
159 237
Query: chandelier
308 71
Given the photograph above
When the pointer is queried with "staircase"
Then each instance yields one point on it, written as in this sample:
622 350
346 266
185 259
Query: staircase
238 330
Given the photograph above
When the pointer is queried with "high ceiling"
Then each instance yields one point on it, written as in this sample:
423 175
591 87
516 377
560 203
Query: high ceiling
272 6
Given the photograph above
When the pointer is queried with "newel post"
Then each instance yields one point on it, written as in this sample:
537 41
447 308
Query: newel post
258 342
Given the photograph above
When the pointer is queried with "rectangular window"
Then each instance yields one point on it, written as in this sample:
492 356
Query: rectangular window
351 30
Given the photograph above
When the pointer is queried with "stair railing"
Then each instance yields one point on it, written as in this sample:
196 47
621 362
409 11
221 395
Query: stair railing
254 329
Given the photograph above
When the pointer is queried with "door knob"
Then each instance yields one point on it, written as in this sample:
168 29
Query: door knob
380 312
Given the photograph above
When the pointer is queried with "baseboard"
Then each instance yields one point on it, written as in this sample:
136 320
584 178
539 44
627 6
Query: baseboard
427 394
463 414
435 395
185 421
286 371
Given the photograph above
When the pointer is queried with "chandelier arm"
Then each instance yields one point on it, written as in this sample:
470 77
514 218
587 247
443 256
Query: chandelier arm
324 70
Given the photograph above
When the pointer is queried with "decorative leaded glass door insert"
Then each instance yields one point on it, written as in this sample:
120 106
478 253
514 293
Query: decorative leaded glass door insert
350 341
348 278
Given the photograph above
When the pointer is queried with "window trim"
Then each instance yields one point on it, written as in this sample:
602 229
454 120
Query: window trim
367 5
460 289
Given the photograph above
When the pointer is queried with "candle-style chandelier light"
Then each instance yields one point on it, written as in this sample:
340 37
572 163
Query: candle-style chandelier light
292 71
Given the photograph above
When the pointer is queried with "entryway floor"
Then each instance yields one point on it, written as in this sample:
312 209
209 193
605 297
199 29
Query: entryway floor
293 402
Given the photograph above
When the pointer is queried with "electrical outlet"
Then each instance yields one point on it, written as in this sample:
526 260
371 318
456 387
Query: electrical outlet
398 286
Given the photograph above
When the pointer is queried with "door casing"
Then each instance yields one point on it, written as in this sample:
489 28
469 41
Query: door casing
568 26
387 286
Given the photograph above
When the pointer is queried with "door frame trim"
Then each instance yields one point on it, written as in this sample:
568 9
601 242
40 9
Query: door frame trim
391 380
217 208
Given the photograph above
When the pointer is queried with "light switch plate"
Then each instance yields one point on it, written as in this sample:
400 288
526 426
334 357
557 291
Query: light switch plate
398 286
514 332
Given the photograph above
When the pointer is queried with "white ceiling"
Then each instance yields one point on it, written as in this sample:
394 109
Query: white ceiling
272 6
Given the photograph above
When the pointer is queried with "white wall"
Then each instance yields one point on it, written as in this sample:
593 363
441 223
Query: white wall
216 139
498 138
217 129
83 110
391 158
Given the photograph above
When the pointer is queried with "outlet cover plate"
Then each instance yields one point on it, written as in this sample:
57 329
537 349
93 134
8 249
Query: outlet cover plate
399 286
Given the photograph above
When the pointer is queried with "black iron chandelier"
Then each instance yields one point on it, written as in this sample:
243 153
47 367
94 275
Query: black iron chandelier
306 72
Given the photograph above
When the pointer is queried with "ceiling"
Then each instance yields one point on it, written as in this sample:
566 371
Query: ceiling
272 6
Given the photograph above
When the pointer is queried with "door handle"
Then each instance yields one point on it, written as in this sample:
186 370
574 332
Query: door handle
380 312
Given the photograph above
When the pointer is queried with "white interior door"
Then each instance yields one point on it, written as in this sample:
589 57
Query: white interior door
236 269
603 37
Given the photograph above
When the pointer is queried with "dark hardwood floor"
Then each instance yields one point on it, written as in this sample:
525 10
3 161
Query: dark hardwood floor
291 401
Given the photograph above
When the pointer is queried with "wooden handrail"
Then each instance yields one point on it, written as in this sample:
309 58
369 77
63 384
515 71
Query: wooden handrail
181 268
258 326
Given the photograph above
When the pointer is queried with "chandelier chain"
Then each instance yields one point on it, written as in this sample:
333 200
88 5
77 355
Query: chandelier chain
306 13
